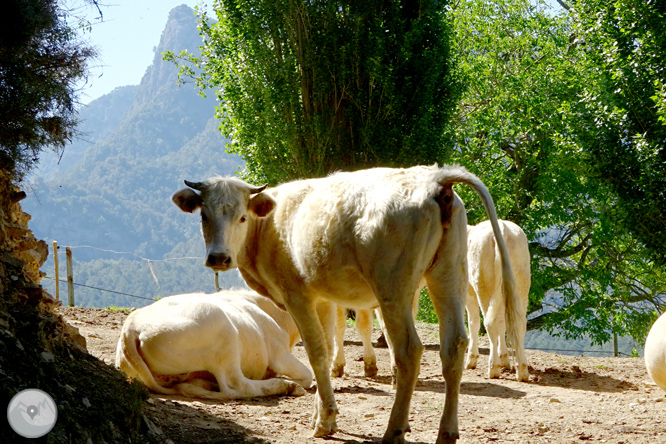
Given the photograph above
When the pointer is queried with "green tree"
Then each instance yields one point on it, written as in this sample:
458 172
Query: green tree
306 88
619 119
41 60
524 68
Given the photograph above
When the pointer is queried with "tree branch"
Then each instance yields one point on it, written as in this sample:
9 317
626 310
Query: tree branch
558 253
564 5
538 322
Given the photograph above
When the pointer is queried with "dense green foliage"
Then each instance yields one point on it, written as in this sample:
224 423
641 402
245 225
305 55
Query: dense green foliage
619 119
41 60
307 88
527 75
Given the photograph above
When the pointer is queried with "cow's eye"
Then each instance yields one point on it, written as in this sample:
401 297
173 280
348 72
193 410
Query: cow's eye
243 219
204 218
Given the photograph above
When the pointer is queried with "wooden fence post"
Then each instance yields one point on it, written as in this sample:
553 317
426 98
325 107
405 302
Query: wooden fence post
57 273
70 277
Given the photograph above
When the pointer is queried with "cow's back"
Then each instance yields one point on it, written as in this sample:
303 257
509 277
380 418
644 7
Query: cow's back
485 269
331 235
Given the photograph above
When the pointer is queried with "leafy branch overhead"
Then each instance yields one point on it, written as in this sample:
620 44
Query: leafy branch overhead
307 88
41 61
525 124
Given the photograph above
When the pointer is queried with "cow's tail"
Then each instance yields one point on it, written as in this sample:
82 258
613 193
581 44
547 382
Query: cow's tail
130 360
496 303
448 175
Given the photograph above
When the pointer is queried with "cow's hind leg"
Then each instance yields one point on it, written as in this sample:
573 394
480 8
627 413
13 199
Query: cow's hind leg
522 371
407 350
504 360
496 329
233 384
474 324
286 364
447 292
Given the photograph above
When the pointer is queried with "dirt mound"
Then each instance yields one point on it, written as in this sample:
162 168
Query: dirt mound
568 399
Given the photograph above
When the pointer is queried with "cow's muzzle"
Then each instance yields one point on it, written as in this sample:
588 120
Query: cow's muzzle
219 261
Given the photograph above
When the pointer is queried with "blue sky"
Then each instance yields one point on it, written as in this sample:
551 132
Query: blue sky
124 40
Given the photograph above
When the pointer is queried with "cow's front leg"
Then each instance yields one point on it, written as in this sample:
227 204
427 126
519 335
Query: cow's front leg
364 328
312 332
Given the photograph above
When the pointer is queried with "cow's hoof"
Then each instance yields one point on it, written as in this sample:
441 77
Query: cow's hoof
494 372
322 430
470 362
504 362
397 437
523 373
338 371
448 437
297 390
370 370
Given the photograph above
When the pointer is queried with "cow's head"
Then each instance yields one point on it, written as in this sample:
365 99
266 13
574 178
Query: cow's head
227 206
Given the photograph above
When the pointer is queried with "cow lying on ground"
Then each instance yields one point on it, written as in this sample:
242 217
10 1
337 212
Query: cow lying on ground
485 282
361 240
224 345
655 352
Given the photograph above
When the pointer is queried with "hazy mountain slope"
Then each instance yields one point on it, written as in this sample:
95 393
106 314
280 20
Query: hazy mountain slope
97 121
115 193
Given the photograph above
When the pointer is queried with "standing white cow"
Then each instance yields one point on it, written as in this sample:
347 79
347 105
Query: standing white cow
361 240
655 352
192 344
485 283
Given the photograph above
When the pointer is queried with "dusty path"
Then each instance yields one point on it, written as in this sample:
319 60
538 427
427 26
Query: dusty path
568 400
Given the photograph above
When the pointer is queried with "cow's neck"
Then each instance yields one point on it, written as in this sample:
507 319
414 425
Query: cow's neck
247 263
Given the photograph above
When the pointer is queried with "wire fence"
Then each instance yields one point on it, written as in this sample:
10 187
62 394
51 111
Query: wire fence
153 299
102 289
556 350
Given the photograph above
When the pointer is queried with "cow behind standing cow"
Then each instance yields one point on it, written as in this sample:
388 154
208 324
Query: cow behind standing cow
485 283
225 345
655 352
361 240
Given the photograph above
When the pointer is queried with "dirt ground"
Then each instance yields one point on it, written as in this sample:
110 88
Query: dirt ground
567 400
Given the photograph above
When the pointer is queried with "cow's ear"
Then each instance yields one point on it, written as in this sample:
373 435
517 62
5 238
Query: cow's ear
187 200
262 204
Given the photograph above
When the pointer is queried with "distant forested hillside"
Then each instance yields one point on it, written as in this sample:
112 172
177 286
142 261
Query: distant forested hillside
111 190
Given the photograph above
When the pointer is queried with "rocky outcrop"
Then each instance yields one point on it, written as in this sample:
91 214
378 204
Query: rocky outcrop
21 257
38 349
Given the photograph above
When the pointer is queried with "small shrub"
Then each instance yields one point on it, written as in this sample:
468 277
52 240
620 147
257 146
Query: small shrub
426 311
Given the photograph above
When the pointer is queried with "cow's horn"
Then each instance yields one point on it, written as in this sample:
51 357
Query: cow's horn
194 185
255 190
